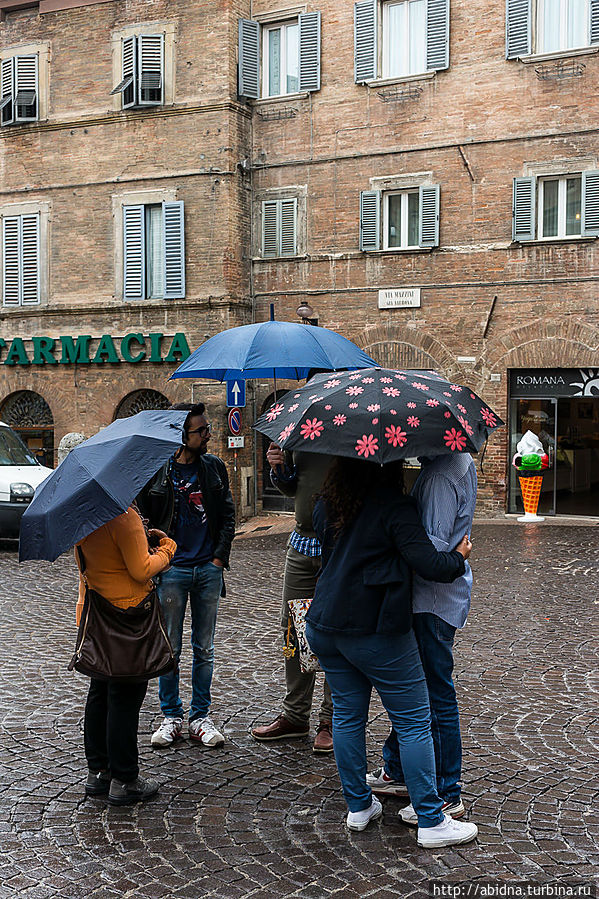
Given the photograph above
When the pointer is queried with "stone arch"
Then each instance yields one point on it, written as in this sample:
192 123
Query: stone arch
397 346
28 413
139 401
544 344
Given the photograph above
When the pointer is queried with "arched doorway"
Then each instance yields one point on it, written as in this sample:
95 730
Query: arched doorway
272 500
139 401
30 416
399 354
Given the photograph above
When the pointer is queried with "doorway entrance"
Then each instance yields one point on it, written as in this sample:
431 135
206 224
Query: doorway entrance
30 416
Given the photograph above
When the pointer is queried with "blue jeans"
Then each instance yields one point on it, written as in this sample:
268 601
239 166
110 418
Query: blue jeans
202 586
390 663
435 642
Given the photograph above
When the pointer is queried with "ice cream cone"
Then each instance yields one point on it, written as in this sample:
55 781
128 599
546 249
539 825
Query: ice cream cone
531 493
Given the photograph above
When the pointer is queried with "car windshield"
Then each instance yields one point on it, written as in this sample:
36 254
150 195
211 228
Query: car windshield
13 451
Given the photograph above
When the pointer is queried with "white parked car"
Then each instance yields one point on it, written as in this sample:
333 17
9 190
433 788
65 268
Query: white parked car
20 474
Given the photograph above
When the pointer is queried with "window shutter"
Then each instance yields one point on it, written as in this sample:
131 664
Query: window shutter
128 84
134 253
430 202
11 253
523 212
150 84
370 220
174 251
26 88
309 51
590 204
270 230
249 59
30 259
365 40
7 114
437 34
518 30
594 21
288 229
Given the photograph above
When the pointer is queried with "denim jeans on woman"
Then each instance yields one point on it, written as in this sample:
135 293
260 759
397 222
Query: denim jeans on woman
202 586
391 664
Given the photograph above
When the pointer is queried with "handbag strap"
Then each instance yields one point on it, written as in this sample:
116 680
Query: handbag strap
82 566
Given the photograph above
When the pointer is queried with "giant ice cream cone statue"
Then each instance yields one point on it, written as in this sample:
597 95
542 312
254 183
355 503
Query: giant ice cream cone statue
530 461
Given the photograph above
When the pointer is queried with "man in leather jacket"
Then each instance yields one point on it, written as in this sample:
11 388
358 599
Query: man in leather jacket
190 500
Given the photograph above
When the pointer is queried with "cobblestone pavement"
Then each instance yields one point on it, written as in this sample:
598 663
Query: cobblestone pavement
267 820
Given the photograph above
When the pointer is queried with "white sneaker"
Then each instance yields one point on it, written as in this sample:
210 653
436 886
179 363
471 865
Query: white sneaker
447 833
168 732
380 782
454 809
202 730
360 820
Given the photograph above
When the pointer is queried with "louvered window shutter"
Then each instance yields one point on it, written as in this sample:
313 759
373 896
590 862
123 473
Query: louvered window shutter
590 204
437 34
270 228
134 253
150 83
128 84
370 220
594 21
523 209
365 40
249 59
430 203
11 253
26 90
30 259
288 227
309 51
174 251
518 28
7 113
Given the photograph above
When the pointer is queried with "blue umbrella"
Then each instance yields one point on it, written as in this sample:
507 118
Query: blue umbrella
97 481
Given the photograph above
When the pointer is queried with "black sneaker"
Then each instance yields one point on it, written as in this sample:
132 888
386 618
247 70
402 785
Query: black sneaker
137 791
98 783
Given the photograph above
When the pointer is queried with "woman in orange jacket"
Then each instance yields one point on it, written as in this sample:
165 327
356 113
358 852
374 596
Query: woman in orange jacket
119 565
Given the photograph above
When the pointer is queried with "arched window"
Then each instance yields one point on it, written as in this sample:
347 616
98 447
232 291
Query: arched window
139 401
30 416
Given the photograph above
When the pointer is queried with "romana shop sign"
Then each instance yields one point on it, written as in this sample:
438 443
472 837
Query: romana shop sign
549 382
87 350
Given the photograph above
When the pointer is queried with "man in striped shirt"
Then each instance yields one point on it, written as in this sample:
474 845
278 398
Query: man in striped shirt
446 495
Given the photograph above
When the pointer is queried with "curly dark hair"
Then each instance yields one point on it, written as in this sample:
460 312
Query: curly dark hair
349 482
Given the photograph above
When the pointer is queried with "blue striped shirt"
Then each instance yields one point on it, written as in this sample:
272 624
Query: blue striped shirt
446 495
307 546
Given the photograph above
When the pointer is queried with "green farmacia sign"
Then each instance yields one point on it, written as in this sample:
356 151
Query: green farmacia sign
66 350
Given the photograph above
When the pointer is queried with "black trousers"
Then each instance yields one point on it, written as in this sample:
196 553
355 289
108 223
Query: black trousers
110 727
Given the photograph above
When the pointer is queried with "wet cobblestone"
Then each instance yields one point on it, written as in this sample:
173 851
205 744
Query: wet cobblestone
255 820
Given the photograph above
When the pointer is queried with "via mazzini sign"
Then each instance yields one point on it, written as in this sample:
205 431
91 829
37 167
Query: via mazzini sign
400 298
87 350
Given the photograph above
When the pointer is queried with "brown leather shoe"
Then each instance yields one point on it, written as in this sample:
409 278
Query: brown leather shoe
279 729
324 737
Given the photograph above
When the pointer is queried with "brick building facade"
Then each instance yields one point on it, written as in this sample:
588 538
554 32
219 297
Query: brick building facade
382 153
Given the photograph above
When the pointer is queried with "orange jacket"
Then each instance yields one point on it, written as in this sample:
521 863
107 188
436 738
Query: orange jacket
118 564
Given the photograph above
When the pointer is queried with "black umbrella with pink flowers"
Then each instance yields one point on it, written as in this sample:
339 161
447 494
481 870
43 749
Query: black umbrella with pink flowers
380 415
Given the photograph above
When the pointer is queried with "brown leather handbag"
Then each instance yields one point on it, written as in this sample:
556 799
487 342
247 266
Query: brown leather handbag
121 644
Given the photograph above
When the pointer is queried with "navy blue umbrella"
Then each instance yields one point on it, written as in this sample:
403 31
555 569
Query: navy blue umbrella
97 481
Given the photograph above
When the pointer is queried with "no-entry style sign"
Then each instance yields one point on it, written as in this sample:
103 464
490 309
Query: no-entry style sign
235 422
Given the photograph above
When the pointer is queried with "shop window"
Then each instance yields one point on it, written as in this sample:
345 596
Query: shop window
21 260
550 26
140 401
142 71
30 416
555 206
286 53
19 90
153 251
279 228
410 219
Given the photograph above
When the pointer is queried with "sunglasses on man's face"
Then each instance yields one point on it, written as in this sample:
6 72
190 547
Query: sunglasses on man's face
206 429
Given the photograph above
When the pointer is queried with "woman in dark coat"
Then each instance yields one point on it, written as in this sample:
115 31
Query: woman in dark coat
360 627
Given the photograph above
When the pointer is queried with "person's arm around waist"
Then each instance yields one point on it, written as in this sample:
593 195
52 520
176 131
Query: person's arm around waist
415 546
129 535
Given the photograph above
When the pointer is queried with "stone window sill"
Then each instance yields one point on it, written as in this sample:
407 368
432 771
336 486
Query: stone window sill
543 241
403 79
393 251
280 98
559 54
298 258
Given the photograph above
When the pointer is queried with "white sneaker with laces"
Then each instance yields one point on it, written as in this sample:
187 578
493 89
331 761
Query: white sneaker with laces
202 730
360 820
380 782
454 809
168 732
447 833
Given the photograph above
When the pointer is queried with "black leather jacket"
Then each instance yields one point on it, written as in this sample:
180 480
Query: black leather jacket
156 502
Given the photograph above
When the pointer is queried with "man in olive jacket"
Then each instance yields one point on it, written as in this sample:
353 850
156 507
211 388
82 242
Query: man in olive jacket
189 499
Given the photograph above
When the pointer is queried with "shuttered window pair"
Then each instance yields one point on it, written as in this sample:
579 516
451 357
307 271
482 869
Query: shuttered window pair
555 207
153 251
415 38
410 219
279 228
21 260
289 57
561 25
20 91
142 82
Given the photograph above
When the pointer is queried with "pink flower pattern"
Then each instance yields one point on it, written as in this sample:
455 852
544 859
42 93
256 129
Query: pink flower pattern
431 402
367 445
395 436
420 386
334 382
456 387
375 421
311 429
386 380
393 411
455 440
400 377
374 407
462 408
448 415
411 405
353 405
413 421
354 377
391 391
286 432
275 412
446 393
465 425
488 416
293 407
354 391
367 380
328 407
339 420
